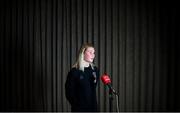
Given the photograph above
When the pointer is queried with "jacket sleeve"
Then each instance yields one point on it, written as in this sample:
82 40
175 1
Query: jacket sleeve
70 87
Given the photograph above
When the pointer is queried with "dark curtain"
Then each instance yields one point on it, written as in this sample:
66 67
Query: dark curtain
136 42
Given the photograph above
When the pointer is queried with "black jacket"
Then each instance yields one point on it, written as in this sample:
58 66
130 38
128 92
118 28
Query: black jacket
80 89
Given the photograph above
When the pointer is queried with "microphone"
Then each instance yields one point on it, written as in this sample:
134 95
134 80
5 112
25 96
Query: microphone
107 81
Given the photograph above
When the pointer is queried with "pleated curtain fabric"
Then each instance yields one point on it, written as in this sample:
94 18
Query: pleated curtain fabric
136 44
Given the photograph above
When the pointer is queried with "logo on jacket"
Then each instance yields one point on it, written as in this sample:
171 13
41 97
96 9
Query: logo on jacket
94 75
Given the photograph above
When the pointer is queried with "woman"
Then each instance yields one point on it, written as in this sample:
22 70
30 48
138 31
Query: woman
80 86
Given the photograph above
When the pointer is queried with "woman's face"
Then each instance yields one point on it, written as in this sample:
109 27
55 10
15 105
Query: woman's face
89 54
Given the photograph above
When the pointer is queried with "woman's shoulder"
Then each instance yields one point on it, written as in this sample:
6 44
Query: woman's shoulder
74 71
95 68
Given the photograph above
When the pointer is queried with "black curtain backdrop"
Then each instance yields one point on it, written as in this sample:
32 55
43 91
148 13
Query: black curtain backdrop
137 44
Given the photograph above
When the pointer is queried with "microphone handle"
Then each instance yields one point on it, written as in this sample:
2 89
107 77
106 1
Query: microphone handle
112 89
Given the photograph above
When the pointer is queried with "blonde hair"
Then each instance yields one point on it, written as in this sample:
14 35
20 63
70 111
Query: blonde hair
79 62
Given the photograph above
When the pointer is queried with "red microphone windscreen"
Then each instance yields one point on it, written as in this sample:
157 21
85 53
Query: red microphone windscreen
105 79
